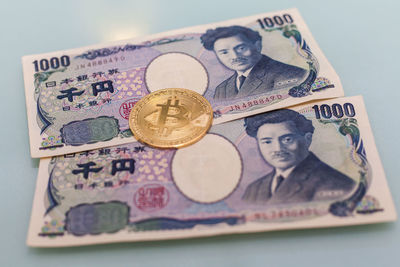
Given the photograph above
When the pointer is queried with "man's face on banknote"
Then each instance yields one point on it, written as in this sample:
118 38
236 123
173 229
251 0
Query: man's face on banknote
282 145
237 52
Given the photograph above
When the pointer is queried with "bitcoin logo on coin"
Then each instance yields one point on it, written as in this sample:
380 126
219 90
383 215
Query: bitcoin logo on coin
171 118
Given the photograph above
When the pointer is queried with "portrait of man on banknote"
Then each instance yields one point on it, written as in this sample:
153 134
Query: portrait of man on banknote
239 49
284 137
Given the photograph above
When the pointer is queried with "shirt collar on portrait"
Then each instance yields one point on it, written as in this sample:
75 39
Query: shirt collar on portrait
244 73
285 174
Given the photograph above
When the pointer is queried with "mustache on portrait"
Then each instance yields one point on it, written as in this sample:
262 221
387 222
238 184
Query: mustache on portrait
239 60
279 154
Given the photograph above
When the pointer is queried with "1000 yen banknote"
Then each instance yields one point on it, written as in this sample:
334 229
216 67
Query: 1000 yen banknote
313 165
80 99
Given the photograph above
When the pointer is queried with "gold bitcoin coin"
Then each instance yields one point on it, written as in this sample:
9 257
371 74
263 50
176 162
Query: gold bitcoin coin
171 118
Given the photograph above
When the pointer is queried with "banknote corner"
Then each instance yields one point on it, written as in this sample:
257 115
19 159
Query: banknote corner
394 216
29 242
293 9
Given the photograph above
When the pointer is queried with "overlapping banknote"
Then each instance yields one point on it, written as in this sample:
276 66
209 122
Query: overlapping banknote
312 165
80 99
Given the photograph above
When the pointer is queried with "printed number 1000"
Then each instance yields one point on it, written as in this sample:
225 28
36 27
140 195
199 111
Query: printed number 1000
336 110
53 63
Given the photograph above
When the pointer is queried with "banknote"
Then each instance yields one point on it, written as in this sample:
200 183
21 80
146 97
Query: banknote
313 165
80 99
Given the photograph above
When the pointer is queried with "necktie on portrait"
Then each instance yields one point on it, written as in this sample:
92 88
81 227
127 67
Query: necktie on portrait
241 80
279 181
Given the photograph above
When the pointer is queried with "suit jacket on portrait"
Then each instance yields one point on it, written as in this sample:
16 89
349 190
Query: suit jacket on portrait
267 75
311 180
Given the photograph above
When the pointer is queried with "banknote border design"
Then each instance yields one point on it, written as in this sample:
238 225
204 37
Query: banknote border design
39 78
66 224
62 130
304 88
108 51
349 126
